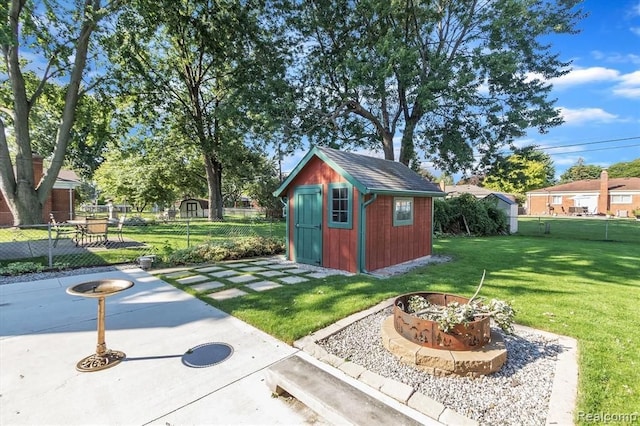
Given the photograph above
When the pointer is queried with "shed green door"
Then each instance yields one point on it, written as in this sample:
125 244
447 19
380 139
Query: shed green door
307 232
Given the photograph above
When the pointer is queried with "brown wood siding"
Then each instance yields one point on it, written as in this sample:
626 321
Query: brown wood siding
339 246
388 245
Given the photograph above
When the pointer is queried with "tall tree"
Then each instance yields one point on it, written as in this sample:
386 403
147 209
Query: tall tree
455 78
580 171
625 169
59 34
215 66
525 170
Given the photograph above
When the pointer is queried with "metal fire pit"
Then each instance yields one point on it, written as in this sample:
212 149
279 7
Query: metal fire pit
463 337
103 358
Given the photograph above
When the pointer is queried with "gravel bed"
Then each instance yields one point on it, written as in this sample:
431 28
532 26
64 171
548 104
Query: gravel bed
35 276
518 394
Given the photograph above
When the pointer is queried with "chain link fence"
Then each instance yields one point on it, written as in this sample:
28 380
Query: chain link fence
69 245
625 230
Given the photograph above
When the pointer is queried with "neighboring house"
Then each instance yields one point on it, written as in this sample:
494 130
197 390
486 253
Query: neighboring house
508 206
476 191
194 207
618 196
356 213
60 201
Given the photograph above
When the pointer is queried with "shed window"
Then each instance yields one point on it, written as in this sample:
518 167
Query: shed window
340 205
621 199
402 211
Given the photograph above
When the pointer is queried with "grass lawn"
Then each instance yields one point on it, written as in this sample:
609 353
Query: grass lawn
589 290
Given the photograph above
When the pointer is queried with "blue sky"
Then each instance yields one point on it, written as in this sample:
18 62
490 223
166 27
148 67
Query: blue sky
599 99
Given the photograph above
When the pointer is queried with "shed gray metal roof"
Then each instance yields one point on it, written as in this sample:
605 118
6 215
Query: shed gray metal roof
369 174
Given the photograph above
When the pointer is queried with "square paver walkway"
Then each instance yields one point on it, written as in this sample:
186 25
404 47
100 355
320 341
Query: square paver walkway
227 294
242 279
298 271
225 273
272 273
209 269
207 286
263 285
252 269
192 279
293 280
177 274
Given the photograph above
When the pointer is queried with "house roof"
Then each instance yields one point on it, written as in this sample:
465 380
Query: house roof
369 174
204 204
67 179
593 185
501 197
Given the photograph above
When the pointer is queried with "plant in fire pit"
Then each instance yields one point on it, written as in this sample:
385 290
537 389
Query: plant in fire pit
456 313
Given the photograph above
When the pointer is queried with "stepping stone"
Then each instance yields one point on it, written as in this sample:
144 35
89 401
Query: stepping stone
318 275
293 280
263 262
281 266
209 269
225 273
252 269
237 265
242 279
272 273
227 294
263 285
179 274
207 286
298 271
193 279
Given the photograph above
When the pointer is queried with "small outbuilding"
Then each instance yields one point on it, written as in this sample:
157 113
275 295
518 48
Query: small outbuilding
356 213
194 207
508 206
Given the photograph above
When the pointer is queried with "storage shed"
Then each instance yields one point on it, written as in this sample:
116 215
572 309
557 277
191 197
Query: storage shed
194 207
356 213
508 206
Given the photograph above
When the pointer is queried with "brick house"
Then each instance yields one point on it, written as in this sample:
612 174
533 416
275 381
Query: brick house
618 196
60 201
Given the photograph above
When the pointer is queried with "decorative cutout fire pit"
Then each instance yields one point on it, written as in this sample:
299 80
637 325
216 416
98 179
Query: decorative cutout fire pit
103 358
424 332
467 349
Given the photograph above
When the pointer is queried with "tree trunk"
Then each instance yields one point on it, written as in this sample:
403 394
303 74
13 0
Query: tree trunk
387 145
407 149
214 184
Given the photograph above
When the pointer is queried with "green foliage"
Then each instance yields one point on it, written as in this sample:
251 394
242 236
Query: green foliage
580 171
625 169
453 314
229 250
525 170
375 68
19 268
456 215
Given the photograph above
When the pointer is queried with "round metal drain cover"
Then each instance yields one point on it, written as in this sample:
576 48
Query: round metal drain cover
207 355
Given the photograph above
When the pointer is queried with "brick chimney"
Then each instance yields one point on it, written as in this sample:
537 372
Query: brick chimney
603 195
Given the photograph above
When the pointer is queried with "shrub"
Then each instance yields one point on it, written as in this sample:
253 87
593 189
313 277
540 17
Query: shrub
466 214
229 250
19 268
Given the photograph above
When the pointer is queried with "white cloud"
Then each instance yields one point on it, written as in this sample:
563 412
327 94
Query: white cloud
585 76
584 115
629 85
635 30
616 57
